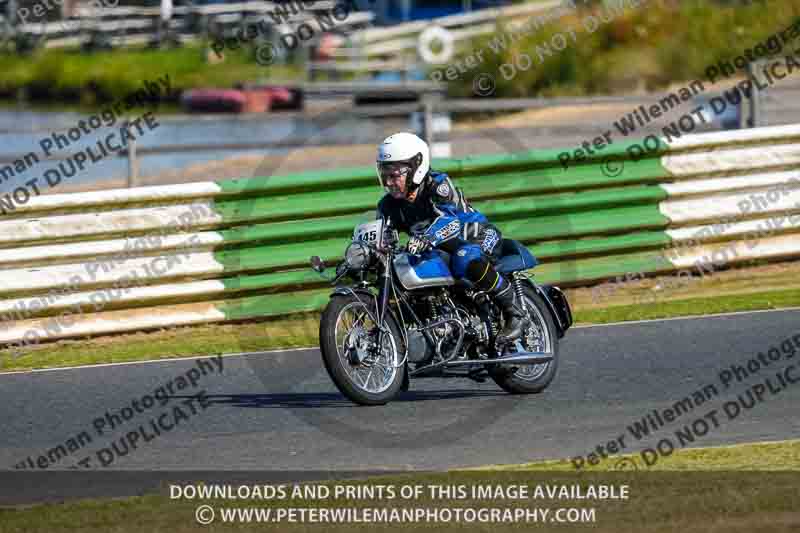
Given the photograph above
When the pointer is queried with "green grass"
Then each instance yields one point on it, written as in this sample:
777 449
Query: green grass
58 74
767 456
691 307
302 331
718 494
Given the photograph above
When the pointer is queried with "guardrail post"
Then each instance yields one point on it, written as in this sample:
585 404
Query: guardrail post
744 114
133 163
753 111
427 121
755 98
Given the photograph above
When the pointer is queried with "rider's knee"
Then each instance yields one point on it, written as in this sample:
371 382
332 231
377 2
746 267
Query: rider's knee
474 265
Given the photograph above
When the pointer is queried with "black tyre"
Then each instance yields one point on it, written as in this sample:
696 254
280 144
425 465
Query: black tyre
348 338
540 337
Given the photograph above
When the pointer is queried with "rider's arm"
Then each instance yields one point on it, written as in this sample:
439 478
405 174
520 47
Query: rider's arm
455 216
379 210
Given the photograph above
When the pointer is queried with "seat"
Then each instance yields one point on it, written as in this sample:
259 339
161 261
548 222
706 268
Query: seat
514 256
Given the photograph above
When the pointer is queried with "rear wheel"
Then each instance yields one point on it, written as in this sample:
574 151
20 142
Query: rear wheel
540 336
363 372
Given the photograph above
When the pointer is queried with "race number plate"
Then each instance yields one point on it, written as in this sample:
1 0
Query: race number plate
369 232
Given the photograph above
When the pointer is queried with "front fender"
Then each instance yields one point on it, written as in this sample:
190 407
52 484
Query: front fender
366 294
360 292
557 303
345 291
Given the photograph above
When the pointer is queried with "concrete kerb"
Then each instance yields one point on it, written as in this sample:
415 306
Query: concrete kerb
488 410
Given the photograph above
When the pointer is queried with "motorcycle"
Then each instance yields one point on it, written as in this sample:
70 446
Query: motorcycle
405 316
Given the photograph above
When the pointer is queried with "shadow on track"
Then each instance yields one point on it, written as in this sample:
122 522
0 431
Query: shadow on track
332 399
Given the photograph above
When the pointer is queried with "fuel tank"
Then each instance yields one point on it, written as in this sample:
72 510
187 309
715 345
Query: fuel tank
419 272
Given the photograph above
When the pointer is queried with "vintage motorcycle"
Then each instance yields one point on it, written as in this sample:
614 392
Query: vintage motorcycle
405 316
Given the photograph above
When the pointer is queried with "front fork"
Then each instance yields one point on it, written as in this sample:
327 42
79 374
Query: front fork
383 300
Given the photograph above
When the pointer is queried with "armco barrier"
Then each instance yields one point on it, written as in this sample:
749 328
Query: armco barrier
239 249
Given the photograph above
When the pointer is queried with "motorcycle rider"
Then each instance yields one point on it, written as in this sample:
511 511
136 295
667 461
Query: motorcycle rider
426 205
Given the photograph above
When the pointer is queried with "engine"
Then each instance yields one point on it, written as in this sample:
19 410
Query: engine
449 319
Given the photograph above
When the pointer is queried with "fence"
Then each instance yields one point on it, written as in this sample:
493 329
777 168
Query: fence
109 25
86 264
132 25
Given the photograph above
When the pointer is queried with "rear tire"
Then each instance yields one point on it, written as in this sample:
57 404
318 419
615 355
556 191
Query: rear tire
532 379
356 381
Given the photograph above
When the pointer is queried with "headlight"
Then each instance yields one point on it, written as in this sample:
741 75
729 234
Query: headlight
356 255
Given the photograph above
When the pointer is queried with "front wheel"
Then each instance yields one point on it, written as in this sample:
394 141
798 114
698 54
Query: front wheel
362 371
540 336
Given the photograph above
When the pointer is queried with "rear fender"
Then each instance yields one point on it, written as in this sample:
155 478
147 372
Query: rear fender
556 303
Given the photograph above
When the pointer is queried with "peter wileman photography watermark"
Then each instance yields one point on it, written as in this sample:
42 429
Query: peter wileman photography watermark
484 83
722 256
112 143
688 122
42 8
117 419
137 268
268 52
765 375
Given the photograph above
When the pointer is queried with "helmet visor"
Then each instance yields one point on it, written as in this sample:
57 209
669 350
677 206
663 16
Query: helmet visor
391 171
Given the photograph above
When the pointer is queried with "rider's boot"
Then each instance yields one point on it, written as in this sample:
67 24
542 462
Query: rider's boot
487 279
516 320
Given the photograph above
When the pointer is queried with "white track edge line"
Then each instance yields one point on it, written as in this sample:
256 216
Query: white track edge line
296 349
689 317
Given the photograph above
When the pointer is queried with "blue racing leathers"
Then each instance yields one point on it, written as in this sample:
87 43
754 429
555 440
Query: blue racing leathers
441 215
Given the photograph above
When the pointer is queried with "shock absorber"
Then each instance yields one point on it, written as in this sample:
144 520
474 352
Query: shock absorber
516 282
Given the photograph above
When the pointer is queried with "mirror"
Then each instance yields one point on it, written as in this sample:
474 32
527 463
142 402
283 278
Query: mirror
317 264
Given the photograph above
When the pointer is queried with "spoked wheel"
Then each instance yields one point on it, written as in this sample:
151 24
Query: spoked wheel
540 336
366 373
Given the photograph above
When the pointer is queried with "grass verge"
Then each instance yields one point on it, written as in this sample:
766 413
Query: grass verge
760 456
718 494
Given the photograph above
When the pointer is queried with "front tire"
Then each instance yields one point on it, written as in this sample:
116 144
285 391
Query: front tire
540 336
348 337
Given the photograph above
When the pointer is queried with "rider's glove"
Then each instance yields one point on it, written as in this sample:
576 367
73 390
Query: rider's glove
418 245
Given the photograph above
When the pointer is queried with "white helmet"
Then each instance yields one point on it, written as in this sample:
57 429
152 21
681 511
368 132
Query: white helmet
405 147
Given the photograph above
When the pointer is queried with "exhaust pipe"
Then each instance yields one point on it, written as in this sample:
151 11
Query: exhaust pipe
528 358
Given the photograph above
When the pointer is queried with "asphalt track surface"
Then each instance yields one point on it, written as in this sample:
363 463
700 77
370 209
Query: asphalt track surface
279 410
